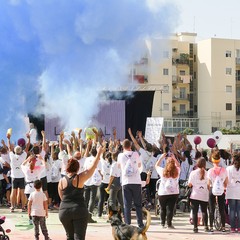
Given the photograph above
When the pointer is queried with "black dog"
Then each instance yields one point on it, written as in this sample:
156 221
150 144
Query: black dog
122 231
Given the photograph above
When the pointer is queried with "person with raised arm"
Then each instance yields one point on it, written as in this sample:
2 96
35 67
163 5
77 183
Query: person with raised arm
168 190
17 156
73 212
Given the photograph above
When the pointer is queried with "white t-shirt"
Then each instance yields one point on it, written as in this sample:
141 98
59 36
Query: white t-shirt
167 186
151 166
233 187
105 170
81 164
33 135
96 178
219 173
123 159
64 157
31 176
38 198
56 170
186 169
15 163
115 171
144 157
39 163
199 187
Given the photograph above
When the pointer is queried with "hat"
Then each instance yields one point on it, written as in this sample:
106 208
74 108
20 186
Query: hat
18 150
215 160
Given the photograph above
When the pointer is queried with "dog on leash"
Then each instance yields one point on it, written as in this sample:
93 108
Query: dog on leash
123 231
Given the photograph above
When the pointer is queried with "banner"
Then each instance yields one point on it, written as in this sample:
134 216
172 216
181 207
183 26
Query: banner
153 129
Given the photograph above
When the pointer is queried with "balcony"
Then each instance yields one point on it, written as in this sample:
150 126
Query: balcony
184 97
185 114
183 58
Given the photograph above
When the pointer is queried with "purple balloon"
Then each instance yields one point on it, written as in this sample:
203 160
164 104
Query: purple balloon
211 142
197 140
21 142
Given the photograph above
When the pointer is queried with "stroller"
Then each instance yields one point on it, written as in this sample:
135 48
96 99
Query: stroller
183 200
3 235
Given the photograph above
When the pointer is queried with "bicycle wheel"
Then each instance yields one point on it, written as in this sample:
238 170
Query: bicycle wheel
217 219
4 237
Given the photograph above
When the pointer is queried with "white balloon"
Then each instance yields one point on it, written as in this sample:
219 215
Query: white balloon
217 136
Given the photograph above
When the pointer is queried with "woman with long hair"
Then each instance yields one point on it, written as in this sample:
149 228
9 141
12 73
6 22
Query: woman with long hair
217 183
169 189
233 193
200 194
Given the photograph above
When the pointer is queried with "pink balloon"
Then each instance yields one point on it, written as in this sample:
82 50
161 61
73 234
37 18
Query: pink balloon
197 140
21 142
211 142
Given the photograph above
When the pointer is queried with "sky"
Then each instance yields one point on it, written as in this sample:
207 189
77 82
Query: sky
56 55
209 18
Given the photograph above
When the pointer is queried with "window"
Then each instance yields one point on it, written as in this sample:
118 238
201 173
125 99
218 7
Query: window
166 107
238 92
165 54
229 89
182 72
182 93
228 106
182 108
229 71
237 75
165 71
229 124
228 53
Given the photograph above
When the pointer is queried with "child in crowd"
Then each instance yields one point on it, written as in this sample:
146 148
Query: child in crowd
38 210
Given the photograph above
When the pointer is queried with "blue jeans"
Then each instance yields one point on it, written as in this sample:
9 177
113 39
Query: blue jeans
132 193
234 205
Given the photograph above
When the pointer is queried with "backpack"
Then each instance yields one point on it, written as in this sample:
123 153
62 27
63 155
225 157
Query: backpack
129 170
54 172
218 187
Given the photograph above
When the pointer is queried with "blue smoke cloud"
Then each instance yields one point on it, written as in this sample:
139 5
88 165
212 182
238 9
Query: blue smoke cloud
60 53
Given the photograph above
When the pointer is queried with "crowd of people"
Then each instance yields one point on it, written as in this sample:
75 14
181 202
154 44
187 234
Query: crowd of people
80 176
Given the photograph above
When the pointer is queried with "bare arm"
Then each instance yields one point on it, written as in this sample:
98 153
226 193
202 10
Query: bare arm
159 161
133 139
28 143
29 207
45 206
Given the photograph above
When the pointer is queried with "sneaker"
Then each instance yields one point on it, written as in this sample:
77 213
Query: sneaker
211 230
163 226
233 230
90 220
206 229
195 230
170 227
11 209
30 222
224 230
24 209
9 185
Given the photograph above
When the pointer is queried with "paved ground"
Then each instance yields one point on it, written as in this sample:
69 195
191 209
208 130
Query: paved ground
20 229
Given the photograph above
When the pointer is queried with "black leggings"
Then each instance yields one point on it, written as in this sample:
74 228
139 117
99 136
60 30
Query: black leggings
74 222
167 204
212 205
195 206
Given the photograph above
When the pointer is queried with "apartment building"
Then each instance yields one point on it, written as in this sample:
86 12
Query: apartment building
197 85
169 67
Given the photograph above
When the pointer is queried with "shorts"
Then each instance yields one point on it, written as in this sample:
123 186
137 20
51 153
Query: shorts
44 183
18 183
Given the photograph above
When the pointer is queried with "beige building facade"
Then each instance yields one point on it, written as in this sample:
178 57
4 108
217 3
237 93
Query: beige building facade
197 85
